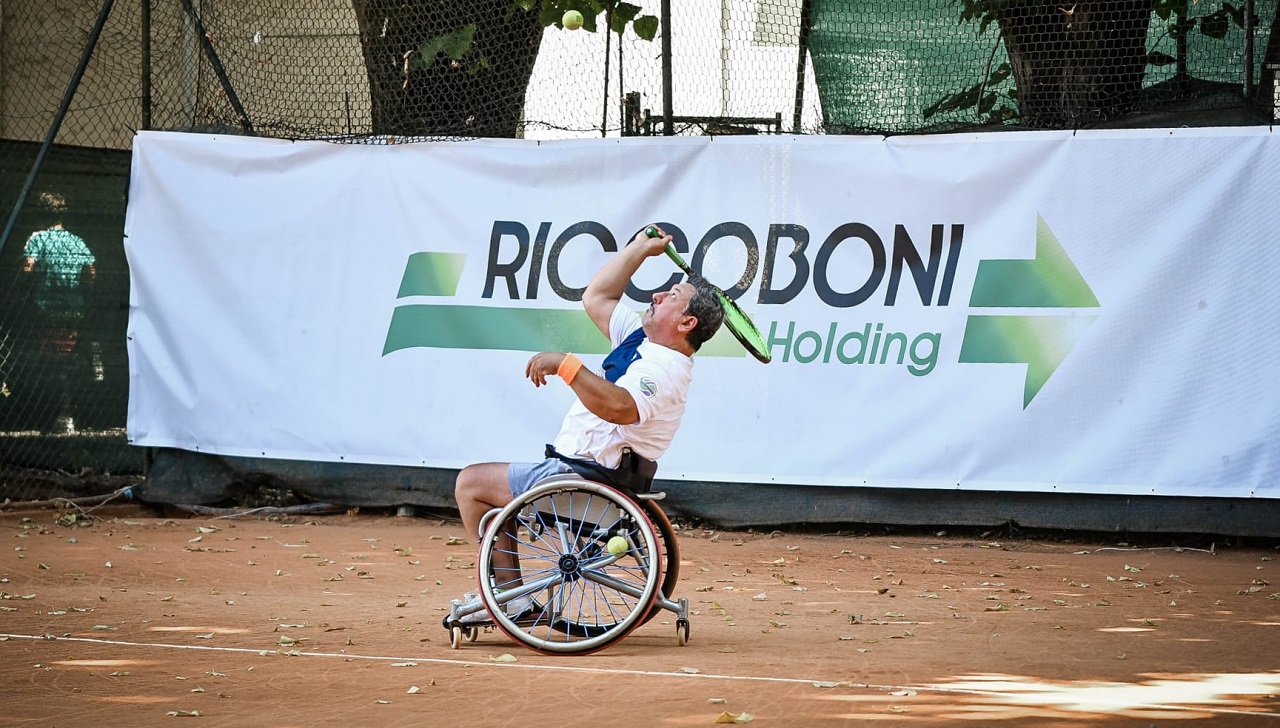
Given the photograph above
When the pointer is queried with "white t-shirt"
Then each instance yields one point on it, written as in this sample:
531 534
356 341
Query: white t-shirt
658 382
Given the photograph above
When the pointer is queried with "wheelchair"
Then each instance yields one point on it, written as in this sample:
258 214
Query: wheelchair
551 547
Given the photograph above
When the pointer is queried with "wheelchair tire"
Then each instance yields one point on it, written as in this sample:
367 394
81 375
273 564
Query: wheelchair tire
583 598
670 552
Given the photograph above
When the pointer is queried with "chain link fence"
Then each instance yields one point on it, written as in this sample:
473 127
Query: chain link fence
79 77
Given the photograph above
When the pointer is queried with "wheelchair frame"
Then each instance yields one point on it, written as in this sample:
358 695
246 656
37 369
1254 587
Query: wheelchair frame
584 598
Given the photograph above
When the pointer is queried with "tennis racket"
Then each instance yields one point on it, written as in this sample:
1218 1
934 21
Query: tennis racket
735 318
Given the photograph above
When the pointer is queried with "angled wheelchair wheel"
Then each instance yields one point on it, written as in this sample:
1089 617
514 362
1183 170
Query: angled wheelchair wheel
548 577
670 551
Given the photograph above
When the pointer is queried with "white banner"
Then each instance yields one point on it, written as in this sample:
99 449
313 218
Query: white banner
1088 312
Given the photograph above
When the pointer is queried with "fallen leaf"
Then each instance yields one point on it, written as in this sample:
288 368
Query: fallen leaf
504 657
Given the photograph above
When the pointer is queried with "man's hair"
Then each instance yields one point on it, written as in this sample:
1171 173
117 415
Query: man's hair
705 306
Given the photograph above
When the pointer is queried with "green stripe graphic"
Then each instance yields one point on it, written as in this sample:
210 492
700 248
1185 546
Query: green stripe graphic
479 327
432 274
513 329
444 326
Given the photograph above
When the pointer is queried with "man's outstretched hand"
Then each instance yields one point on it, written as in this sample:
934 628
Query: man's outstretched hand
543 365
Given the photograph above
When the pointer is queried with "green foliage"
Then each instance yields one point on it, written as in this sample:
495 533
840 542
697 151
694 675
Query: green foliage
456 46
995 98
623 14
459 46
1214 25
984 96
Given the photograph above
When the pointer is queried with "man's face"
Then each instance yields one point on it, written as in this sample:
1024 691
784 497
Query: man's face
666 318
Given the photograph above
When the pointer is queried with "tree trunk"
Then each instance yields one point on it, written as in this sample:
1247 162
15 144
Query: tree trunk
1076 64
448 98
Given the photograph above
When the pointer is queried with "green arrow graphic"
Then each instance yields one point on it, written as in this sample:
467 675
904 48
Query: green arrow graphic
1040 342
1050 280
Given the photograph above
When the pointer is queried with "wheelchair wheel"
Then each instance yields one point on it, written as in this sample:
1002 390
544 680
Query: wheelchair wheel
670 552
547 551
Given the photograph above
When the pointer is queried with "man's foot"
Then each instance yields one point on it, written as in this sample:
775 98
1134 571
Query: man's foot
514 609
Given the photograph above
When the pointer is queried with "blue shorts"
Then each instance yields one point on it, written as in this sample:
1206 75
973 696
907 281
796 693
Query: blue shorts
523 476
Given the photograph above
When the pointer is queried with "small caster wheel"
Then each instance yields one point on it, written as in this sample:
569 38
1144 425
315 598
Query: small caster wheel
682 632
455 637
472 633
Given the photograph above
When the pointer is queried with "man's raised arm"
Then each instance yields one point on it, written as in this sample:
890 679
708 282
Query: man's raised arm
610 282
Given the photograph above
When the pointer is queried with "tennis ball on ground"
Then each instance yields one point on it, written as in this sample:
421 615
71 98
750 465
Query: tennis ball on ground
617 546
572 20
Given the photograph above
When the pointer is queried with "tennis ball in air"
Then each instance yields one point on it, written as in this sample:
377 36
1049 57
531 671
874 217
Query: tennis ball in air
617 546
572 20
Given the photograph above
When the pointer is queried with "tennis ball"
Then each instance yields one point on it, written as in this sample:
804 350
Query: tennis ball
572 20
617 546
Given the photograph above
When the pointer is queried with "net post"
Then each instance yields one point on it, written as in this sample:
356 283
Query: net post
668 126
806 15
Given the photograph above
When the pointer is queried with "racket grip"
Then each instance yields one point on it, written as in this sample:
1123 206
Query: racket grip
670 250
651 231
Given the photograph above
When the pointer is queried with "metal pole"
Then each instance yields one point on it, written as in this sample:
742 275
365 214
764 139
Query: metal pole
608 42
1248 48
667 105
216 62
146 64
57 119
806 10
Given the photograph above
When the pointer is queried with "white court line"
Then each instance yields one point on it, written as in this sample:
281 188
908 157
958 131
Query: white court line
637 673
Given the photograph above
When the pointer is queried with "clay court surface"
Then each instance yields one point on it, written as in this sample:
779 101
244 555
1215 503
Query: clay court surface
139 620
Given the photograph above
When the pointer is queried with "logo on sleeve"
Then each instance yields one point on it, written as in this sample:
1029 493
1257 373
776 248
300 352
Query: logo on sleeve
648 387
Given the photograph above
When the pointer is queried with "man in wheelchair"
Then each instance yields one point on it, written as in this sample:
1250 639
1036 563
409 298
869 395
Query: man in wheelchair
624 418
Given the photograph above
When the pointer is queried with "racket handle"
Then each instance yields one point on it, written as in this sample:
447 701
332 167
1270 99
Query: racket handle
670 250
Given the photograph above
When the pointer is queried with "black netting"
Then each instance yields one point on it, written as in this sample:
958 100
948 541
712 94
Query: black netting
85 75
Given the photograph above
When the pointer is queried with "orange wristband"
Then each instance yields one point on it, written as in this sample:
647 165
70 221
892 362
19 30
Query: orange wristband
568 368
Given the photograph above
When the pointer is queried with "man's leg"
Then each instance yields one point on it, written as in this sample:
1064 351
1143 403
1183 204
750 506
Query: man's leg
479 489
